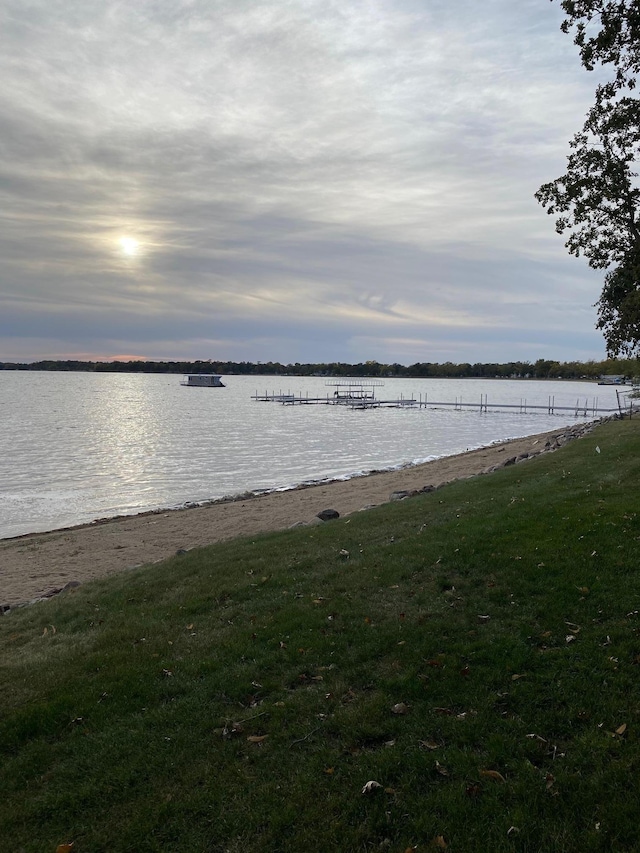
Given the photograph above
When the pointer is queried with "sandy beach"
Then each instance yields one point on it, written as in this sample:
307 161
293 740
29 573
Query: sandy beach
37 565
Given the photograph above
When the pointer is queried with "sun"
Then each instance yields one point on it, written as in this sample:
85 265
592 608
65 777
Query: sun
129 246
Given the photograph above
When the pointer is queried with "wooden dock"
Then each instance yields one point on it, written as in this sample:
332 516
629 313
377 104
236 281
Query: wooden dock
361 395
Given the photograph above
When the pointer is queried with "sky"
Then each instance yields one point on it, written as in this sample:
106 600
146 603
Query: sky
288 180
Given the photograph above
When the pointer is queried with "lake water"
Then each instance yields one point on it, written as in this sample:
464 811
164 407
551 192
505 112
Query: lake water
75 447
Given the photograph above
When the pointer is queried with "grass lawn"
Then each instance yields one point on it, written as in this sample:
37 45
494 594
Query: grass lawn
475 652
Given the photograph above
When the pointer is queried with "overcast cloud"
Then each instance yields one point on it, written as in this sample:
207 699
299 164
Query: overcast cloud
291 180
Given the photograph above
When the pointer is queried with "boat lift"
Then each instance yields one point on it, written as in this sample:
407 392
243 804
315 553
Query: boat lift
354 395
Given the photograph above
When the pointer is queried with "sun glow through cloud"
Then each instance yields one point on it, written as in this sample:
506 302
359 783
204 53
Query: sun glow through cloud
129 246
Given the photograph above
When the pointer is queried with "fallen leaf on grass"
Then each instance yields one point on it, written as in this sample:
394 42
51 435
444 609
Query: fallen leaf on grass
370 787
257 738
65 848
428 744
329 771
621 729
231 730
538 738
440 843
400 708
517 676
493 774
441 769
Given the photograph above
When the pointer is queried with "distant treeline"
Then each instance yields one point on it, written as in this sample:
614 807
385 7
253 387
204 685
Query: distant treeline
541 369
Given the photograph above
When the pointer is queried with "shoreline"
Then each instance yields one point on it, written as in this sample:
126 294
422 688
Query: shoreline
251 494
39 565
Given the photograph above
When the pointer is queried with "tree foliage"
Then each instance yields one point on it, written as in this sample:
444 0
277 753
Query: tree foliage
607 33
540 369
619 309
597 200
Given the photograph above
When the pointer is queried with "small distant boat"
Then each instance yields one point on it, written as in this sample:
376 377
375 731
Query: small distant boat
611 379
203 380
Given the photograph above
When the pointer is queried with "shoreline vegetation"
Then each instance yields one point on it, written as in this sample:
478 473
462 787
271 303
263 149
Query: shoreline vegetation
455 671
540 369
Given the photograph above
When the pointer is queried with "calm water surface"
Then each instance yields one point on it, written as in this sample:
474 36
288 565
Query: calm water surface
75 447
